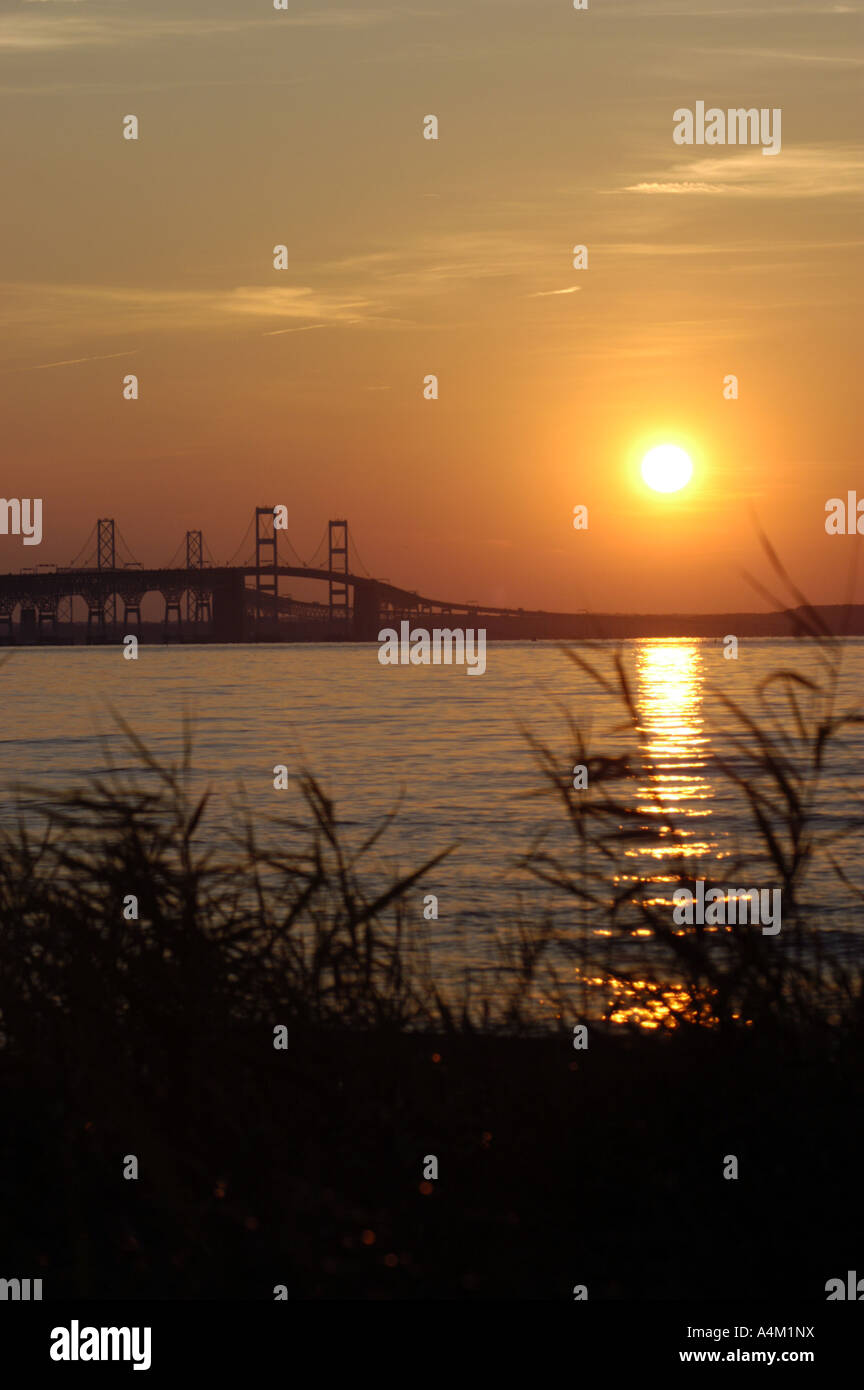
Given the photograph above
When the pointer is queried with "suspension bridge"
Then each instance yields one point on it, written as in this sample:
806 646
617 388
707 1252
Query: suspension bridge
102 591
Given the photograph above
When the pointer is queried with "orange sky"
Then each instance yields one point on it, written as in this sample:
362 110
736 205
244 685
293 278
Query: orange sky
409 257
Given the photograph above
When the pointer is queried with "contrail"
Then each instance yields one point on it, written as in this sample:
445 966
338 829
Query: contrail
277 332
71 362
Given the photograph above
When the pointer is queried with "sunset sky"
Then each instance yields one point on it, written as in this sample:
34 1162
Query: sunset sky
409 257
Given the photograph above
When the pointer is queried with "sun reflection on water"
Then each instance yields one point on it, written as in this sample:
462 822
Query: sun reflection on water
674 795
673 788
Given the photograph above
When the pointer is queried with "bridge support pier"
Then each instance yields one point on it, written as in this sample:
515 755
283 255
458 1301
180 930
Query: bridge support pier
229 609
172 629
95 619
366 605
27 630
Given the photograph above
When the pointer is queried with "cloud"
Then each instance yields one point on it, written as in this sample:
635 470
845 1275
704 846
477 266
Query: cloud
75 309
543 294
709 248
686 10
813 171
676 188
431 264
776 55
58 24
304 328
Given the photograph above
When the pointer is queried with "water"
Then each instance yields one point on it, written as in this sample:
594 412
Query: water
450 746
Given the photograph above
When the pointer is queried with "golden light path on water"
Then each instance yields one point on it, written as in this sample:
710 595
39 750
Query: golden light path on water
674 791
674 747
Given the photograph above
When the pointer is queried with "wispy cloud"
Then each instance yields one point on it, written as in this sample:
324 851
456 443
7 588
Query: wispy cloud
817 171
709 248
59 24
784 56
304 328
676 187
430 264
543 294
685 10
77 309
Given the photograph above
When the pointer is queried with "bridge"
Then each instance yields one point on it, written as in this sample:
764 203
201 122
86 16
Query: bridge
205 601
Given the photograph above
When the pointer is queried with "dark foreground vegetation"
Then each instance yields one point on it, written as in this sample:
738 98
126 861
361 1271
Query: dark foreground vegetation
303 1166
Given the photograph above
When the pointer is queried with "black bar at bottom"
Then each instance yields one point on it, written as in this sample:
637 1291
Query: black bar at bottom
225 1338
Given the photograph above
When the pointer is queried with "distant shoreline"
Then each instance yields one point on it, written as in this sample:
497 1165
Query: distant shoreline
841 620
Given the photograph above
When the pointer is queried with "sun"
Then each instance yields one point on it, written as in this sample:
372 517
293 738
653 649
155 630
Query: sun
667 468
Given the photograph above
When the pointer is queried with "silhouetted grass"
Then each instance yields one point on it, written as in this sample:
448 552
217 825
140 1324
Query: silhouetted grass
304 1167
808 979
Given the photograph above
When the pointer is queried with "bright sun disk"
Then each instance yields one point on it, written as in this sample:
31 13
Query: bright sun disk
667 468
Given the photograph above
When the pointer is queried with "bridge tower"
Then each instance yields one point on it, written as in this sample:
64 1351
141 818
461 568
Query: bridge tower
266 562
197 600
338 564
105 545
